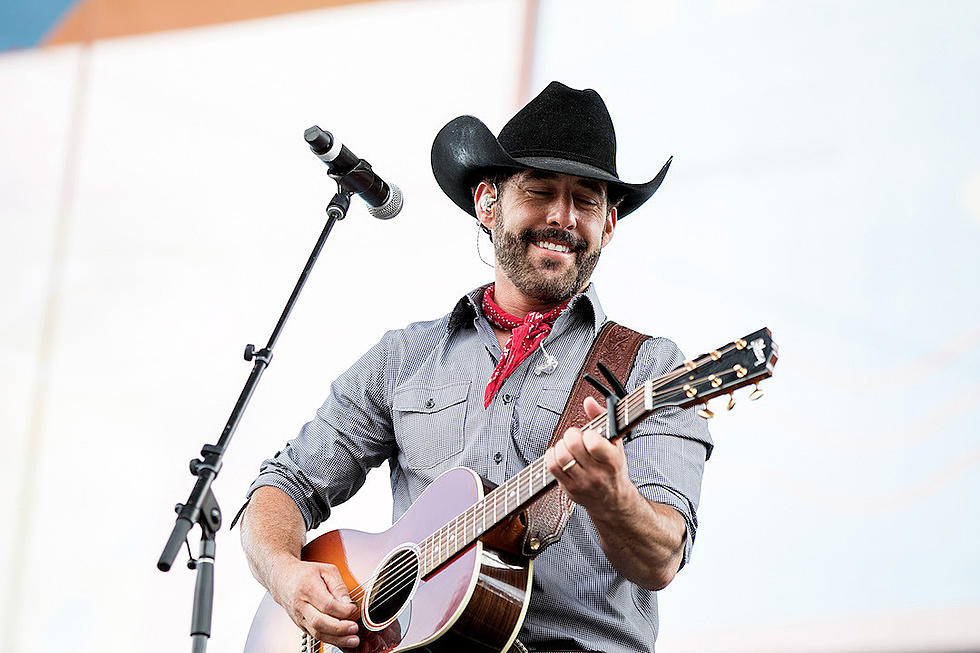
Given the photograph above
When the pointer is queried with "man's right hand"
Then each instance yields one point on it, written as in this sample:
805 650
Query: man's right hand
316 599
312 593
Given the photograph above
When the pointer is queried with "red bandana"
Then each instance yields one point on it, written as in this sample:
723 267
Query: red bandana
525 335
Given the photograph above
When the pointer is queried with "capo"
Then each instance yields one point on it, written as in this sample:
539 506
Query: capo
612 398
611 378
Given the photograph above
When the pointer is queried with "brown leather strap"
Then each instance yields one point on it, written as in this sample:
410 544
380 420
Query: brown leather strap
616 346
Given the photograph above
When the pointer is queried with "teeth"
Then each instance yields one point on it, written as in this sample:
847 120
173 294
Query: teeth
552 246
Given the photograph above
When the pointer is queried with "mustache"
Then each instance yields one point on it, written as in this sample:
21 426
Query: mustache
560 236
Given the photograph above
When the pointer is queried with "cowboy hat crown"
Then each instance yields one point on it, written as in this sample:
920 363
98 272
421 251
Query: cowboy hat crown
562 130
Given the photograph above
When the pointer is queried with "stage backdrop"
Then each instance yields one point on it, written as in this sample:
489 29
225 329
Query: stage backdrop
157 202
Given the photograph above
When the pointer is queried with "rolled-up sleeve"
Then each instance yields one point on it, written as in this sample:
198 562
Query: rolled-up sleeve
351 433
666 452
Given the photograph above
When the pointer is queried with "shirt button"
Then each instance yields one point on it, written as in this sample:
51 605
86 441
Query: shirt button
430 402
507 398
497 457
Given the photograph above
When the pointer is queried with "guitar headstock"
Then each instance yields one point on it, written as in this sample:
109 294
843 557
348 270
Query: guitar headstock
742 362
719 372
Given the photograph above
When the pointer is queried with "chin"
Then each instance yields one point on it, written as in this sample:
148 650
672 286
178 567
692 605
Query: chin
553 290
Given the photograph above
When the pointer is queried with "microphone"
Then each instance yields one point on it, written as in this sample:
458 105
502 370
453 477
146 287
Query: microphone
384 200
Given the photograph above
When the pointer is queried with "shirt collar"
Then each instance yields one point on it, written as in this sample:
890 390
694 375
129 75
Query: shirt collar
465 309
585 305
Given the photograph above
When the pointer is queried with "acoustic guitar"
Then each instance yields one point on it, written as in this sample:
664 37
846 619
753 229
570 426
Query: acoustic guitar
448 576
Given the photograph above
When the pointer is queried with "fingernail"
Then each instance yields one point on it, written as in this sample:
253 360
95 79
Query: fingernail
350 642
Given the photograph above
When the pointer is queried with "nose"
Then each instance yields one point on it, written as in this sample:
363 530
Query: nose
561 213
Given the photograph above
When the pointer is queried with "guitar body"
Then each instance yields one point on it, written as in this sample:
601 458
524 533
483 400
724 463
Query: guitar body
474 602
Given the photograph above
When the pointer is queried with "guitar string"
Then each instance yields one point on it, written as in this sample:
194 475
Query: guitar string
403 576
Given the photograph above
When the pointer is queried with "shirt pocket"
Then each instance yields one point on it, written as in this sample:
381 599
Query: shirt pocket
547 411
429 422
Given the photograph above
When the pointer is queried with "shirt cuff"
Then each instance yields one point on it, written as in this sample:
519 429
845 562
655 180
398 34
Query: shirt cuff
295 492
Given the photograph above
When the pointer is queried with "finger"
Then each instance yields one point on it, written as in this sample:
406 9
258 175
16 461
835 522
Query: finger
592 407
576 445
600 449
339 632
319 596
340 600
558 466
563 456
549 458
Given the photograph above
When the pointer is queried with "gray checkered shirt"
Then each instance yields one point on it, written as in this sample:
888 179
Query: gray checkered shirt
416 400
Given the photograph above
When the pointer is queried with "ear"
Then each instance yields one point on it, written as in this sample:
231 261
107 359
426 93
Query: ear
484 216
608 228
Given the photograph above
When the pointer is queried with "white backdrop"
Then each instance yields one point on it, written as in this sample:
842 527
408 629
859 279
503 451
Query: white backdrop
826 184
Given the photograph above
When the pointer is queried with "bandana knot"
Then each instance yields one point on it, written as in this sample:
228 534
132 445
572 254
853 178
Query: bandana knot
526 335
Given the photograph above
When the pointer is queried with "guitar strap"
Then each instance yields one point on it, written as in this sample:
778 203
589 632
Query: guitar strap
616 346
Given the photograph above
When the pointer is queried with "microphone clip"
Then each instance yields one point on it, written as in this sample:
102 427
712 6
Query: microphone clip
339 203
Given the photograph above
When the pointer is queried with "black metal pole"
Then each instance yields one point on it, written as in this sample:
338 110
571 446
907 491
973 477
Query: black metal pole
203 595
201 507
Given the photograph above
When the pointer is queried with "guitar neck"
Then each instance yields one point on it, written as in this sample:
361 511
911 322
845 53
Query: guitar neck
721 371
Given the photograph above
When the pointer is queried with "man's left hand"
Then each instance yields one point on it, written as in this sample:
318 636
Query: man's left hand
591 469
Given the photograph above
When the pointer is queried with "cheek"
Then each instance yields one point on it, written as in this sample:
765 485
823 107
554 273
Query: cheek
595 230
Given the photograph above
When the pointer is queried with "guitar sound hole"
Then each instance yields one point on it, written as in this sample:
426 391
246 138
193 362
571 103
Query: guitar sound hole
394 586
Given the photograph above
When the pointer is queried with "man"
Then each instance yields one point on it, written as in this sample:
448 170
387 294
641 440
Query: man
483 387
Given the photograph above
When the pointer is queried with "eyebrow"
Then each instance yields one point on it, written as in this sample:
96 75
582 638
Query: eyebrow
543 175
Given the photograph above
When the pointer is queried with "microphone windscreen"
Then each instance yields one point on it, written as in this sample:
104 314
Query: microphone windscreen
390 208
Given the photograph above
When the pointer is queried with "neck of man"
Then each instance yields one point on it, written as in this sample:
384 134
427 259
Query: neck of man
510 298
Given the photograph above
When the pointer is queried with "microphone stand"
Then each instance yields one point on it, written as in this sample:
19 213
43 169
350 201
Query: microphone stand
201 506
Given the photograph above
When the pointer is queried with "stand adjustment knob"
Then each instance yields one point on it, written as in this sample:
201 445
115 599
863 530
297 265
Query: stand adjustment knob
264 354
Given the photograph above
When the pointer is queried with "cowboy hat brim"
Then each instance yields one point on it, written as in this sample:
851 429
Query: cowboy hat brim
465 151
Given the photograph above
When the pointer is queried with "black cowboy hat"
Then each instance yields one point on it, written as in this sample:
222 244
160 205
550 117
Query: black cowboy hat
562 130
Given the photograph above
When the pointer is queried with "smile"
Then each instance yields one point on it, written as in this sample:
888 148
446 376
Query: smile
544 244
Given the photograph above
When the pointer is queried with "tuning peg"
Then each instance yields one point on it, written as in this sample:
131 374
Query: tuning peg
758 392
731 400
705 412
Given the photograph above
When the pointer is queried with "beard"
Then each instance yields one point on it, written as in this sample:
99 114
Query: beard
534 280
